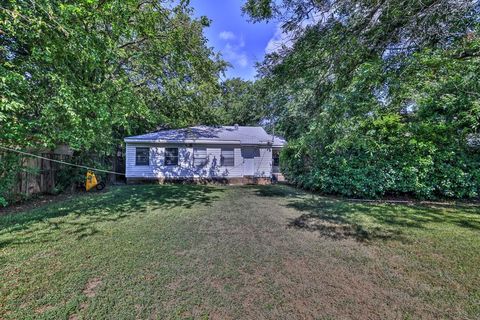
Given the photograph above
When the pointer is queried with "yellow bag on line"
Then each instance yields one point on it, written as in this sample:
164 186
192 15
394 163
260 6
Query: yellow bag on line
91 180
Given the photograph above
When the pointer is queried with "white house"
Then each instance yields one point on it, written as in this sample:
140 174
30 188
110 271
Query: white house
230 154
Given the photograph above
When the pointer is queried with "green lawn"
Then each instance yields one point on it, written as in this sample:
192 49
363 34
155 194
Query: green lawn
210 252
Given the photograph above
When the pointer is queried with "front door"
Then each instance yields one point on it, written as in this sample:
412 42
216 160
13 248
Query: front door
248 162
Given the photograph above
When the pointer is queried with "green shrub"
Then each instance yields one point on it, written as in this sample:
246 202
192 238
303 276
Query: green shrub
373 171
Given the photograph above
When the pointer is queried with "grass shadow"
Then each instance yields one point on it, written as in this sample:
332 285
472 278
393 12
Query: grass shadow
338 220
341 219
77 217
277 190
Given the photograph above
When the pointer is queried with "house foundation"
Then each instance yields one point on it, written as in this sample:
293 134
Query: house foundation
216 180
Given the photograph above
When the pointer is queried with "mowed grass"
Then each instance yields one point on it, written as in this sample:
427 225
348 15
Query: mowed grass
253 252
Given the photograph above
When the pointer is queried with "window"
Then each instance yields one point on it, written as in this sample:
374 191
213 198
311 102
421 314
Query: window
227 159
200 158
142 156
171 156
276 158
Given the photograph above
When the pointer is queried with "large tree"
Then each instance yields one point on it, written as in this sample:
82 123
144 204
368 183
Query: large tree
239 102
87 73
377 97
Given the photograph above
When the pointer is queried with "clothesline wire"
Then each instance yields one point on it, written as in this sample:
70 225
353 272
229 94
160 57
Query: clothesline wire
59 161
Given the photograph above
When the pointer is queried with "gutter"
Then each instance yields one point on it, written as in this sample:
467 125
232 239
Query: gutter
183 141
195 141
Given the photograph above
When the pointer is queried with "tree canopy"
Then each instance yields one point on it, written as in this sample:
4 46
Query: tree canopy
240 103
87 73
376 97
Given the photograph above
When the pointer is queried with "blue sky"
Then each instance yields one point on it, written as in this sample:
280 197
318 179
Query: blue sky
240 42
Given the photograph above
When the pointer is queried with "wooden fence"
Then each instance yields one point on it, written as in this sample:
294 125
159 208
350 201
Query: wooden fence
39 175
42 176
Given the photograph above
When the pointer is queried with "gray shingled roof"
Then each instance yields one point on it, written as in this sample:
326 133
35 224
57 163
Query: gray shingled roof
204 134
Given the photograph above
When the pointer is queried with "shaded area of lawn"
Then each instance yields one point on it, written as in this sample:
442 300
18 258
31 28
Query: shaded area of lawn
213 252
86 211
339 219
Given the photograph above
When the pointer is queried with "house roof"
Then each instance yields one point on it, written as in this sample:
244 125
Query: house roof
211 135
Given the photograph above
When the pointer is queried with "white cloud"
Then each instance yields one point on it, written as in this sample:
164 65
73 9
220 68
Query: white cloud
235 56
279 40
282 39
241 42
234 51
227 35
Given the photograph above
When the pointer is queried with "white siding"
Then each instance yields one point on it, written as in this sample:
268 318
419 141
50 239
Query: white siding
263 162
156 168
185 167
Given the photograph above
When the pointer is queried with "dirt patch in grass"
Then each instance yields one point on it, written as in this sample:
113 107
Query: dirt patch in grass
75 316
91 287
43 309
